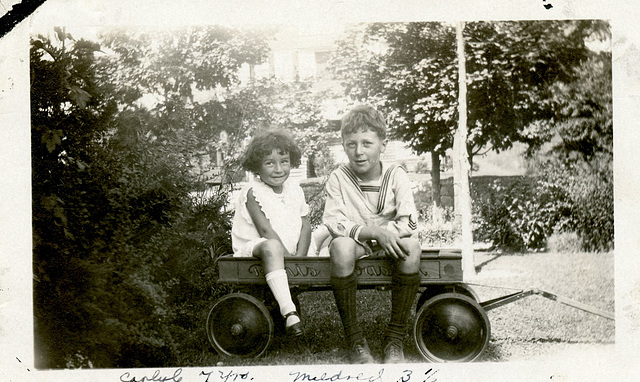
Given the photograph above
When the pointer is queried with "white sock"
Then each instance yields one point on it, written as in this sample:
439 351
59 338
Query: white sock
279 285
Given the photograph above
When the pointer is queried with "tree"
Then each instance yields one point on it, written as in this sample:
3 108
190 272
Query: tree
583 119
191 76
512 67
409 70
184 77
297 107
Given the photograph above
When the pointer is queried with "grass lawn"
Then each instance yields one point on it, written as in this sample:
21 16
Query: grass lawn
526 329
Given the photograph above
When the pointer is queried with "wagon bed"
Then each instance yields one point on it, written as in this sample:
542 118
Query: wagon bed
437 266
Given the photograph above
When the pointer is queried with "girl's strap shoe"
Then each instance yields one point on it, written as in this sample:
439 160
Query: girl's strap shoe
294 330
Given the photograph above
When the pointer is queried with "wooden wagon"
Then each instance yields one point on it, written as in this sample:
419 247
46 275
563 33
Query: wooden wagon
450 325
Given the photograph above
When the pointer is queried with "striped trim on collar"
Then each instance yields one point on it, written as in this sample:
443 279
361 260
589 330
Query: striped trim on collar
366 188
384 186
352 176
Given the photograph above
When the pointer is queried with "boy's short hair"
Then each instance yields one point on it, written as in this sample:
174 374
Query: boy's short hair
263 144
363 117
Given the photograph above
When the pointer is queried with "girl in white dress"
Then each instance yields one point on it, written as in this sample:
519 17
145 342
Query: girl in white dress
270 216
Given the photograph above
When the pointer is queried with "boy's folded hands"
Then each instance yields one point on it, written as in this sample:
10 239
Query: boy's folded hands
387 240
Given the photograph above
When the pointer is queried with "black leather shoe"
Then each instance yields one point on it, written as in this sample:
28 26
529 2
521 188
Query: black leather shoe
393 352
294 330
360 353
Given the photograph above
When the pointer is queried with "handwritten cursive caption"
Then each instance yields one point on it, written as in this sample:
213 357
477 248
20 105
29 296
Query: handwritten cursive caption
428 376
218 375
226 376
299 376
155 377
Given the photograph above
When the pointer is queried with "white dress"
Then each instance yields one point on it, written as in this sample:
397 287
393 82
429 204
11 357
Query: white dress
284 212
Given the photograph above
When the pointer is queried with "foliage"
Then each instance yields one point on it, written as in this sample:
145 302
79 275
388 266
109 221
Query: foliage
294 106
175 64
512 66
564 242
409 70
572 156
123 252
438 227
187 79
436 224
578 158
315 196
588 187
520 215
68 117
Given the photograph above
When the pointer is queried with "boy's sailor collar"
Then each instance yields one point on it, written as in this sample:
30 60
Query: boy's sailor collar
383 190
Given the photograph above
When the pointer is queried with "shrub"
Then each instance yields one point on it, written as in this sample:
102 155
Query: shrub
520 215
315 197
564 242
434 237
588 185
437 227
192 245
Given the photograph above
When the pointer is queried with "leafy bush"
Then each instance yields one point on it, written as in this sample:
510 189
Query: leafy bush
588 186
520 215
566 197
192 245
564 242
577 154
437 227
315 197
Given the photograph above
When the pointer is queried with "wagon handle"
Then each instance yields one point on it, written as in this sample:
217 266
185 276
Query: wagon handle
500 301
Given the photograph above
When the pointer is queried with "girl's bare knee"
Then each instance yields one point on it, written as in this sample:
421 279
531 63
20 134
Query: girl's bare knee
272 253
271 248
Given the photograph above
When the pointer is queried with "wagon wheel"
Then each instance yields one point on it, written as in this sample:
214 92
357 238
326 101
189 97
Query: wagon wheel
451 328
239 325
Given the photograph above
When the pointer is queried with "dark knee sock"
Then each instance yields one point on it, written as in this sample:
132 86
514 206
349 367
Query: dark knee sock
344 291
405 288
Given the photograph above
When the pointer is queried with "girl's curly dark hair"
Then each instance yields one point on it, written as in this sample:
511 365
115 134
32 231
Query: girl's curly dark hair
264 143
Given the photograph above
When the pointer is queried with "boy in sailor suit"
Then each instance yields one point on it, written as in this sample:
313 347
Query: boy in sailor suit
370 211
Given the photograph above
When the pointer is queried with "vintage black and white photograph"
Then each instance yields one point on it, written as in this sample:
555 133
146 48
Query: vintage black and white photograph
338 195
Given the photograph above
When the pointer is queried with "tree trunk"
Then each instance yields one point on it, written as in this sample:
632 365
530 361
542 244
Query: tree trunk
435 179
461 167
311 166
